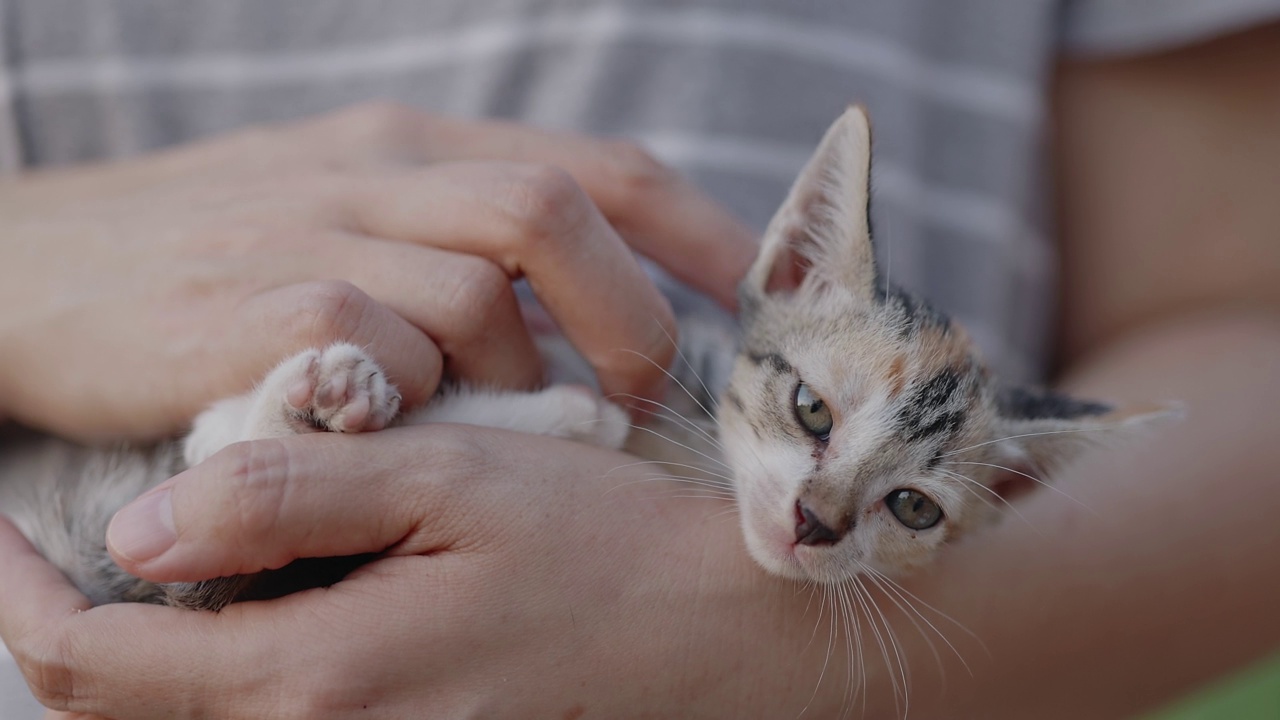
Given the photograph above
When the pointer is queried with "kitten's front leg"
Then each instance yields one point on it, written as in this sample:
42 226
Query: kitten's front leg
337 389
568 411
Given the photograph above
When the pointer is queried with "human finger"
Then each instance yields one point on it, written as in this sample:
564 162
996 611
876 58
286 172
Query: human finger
280 322
257 505
464 303
82 660
534 221
658 211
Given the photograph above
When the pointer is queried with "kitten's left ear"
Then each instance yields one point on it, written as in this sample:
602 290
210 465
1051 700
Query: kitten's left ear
1041 429
821 236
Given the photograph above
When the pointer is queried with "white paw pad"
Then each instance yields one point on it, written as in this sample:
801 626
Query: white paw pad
340 389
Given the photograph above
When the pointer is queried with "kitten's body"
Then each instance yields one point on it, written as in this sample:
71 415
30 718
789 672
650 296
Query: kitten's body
862 429
63 496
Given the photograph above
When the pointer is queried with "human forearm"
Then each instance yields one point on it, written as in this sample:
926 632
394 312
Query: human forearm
1165 580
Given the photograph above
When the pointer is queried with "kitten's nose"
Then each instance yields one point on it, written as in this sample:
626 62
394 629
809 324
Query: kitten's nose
812 531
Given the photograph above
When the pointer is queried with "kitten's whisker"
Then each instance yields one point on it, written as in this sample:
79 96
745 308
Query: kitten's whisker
849 693
965 479
1094 428
711 487
731 510
880 641
688 484
754 456
888 584
910 612
680 444
998 496
1054 488
700 435
698 468
968 489
899 588
680 352
675 415
706 482
694 497
862 689
853 640
827 659
903 666
839 620
672 492
676 380
822 602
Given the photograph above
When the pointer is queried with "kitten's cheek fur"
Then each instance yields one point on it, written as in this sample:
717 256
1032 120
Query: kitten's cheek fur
770 543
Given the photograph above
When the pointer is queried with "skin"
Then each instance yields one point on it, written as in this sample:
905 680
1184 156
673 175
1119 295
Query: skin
616 602
197 269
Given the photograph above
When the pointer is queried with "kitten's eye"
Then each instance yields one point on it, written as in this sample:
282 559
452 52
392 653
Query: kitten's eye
813 413
913 509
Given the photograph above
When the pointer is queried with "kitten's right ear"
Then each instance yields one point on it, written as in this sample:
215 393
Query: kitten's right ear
821 236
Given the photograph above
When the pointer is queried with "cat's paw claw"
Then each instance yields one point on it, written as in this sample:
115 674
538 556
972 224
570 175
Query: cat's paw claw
342 389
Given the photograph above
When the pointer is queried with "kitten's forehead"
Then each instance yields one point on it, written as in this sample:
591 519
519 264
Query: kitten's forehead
900 374
890 340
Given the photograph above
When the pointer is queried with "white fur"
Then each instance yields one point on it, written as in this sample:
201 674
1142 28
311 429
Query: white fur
342 389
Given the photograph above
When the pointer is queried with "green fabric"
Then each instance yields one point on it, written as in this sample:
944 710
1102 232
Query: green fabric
1254 695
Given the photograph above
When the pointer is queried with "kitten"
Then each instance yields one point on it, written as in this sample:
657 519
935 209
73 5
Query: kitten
63 497
862 429
862 426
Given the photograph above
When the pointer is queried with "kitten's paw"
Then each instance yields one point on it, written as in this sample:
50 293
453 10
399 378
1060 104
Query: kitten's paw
588 418
340 389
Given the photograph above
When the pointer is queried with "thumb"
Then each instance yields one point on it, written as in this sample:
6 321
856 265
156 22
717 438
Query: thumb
262 504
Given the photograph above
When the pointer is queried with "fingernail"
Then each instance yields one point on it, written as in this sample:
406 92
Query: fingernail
143 529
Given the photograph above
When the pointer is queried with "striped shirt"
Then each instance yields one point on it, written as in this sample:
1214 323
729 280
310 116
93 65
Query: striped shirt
734 93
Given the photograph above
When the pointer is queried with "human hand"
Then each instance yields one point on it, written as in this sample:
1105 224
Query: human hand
522 578
138 292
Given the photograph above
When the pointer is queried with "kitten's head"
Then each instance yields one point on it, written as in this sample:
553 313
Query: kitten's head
861 424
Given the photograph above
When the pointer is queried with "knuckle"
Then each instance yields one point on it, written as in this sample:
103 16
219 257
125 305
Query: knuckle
335 690
48 670
544 203
378 122
454 455
481 291
256 491
634 168
330 310
256 139
376 116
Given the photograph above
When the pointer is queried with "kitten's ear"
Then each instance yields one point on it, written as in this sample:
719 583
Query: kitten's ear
1045 429
821 235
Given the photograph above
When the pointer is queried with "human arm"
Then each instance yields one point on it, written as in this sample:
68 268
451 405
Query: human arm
1167 169
1078 612
138 292
1096 614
